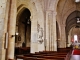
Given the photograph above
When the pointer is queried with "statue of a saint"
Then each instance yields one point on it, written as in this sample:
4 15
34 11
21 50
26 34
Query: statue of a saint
40 34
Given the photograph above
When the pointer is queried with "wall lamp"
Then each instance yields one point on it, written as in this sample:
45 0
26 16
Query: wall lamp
15 35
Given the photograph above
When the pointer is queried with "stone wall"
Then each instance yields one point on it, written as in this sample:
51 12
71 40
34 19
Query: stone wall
2 28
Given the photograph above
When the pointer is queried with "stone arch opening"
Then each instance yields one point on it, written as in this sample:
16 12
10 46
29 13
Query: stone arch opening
72 27
23 27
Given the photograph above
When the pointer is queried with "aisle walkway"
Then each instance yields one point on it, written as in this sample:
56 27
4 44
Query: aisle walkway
75 57
75 54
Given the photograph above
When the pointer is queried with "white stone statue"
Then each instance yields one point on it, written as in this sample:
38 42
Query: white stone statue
40 33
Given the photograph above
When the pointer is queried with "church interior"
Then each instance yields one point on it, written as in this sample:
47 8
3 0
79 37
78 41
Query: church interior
40 30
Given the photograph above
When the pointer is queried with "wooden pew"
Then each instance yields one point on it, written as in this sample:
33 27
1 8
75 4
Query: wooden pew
45 55
41 58
22 50
64 49
20 57
32 58
58 57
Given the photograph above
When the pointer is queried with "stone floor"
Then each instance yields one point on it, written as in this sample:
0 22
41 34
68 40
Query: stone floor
75 54
75 57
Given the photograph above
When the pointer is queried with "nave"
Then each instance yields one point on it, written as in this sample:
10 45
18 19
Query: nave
41 25
61 54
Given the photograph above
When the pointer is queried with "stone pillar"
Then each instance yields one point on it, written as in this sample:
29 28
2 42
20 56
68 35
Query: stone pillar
63 39
54 32
11 29
69 40
47 31
34 44
51 44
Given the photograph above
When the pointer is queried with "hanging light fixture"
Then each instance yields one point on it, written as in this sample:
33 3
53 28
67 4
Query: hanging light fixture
78 19
77 15
77 1
28 22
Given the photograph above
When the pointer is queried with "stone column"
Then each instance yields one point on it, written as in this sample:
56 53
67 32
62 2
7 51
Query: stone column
34 44
54 32
68 39
47 31
11 29
63 39
51 44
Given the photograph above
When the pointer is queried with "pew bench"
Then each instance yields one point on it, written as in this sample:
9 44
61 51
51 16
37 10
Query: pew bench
32 58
